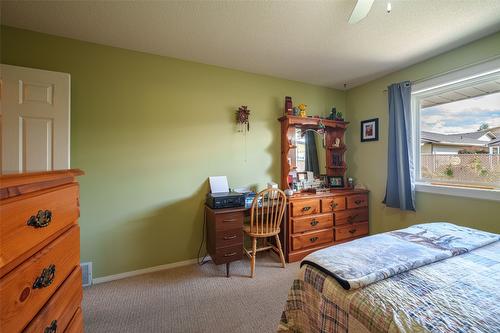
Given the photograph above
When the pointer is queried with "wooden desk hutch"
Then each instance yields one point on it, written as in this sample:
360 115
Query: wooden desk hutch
319 220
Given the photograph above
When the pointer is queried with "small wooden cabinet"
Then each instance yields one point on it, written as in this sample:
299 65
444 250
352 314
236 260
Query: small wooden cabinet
225 234
315 221
40 277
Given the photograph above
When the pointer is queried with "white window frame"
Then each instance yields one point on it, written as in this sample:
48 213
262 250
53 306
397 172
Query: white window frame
453 80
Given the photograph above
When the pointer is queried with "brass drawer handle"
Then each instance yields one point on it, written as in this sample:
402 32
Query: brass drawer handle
229 237
52 328
305 209
352 231
229 254
46 278
229 220
334 205
313 239
357 202
351 218
314 223
41 219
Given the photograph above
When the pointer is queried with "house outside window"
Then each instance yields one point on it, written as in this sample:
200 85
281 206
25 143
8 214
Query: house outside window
457 132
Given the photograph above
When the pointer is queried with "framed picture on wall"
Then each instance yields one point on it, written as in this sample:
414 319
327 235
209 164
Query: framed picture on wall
369 130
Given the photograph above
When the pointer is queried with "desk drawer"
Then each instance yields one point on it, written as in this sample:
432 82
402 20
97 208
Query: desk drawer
229 238
356 201
227 254
311 239
76 324
332 204
349 231
27 288
227 221
310 223
305 207
23 227
61 307
351 216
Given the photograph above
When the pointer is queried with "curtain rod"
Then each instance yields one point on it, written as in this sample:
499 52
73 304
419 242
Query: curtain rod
451 70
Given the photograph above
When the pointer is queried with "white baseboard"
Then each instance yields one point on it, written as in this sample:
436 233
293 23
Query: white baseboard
143 271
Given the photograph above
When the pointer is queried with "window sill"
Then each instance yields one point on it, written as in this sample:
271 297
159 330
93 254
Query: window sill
458 191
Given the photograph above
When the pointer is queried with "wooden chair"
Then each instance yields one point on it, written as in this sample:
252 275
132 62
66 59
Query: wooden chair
266 215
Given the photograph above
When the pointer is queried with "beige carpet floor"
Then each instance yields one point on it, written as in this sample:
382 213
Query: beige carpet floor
192 299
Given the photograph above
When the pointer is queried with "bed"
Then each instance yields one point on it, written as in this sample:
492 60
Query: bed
434 277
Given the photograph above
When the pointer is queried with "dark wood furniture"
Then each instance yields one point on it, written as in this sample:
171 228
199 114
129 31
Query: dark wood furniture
225 234
316 221
40 276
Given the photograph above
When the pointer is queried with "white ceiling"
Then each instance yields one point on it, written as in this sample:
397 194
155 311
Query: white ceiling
308 41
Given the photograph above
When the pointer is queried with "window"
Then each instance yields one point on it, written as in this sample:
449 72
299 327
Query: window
457 132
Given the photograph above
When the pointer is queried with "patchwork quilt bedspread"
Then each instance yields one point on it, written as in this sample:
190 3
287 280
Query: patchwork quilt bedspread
457 291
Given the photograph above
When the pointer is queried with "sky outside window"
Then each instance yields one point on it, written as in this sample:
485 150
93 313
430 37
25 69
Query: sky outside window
462 116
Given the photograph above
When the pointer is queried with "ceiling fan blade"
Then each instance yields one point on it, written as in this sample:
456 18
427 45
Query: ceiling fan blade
360 10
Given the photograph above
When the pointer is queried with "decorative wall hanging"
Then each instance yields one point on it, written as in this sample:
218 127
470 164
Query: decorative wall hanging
369 130
242 118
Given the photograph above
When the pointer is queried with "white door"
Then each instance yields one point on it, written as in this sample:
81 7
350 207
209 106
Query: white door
35 119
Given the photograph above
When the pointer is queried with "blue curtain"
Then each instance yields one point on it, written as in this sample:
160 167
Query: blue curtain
400 189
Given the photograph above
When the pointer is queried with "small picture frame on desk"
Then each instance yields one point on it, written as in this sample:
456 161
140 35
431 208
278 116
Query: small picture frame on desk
301 176
335 181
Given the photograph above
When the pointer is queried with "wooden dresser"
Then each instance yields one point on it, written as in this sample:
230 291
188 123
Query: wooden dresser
40 277
315 221
225 234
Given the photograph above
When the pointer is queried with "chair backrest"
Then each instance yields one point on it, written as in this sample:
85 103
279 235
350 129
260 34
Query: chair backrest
268 208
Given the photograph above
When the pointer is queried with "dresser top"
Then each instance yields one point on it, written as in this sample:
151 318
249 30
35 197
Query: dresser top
332 193
15 184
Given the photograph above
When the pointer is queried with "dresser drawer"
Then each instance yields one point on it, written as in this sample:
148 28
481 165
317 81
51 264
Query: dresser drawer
354 230
351 216
358 200
228 221
305 207
76 324
23 227
332 204
59 310
311 239
229 238
27 288
310 223
227 254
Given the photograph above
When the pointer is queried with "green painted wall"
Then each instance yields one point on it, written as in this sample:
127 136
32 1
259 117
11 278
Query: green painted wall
148 131
368 161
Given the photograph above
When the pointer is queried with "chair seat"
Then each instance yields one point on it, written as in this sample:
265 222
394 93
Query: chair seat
246 229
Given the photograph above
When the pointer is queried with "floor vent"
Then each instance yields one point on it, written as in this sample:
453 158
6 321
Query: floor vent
86 273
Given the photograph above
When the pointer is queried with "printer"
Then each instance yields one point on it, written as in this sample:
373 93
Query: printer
225 200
